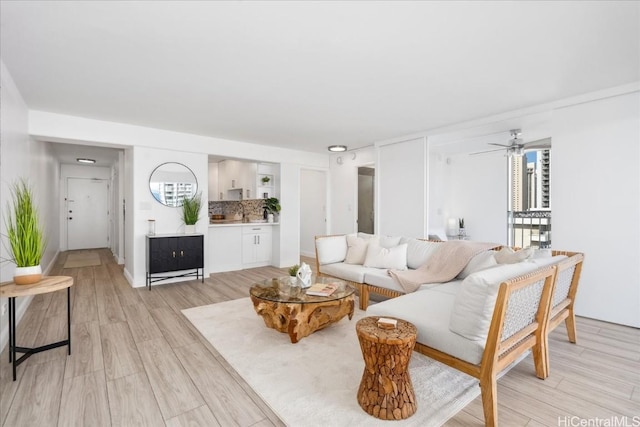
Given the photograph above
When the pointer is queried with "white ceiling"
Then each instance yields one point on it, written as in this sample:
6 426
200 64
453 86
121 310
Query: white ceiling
306 75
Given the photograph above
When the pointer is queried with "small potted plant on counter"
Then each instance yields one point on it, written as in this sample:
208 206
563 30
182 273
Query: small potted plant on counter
461 231
25 234
191 212
272 206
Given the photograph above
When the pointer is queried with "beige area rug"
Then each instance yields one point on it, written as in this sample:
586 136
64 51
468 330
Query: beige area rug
82 259
315 382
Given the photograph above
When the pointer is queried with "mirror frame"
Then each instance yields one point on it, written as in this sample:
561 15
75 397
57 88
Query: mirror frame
178 202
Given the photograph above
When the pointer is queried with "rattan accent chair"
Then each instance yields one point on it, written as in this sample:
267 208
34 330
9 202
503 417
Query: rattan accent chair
519 324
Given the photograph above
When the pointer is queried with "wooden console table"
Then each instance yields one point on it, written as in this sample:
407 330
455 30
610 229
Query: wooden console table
48 284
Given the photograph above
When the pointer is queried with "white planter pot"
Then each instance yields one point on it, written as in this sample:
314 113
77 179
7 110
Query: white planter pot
270 218
27 275
189 228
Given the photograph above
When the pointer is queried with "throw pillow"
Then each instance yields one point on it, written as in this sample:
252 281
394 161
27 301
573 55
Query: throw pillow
356 249
419 251
389 241
507 255
479 262
473 307
379 257
331 249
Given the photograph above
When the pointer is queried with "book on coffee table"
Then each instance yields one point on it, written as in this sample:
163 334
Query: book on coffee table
322 289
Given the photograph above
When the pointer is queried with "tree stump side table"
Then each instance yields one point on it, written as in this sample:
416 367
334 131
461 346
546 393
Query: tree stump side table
385 390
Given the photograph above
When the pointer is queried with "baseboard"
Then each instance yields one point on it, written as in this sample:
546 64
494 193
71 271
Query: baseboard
21 307
308 254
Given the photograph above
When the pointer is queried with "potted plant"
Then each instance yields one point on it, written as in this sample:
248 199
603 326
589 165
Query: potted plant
265 179
25 234
191 212
461 230
293 274
272 206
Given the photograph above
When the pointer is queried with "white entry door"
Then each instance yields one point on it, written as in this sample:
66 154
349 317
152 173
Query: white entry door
87 213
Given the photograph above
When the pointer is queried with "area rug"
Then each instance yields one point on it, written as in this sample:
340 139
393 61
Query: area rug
315 382
82 259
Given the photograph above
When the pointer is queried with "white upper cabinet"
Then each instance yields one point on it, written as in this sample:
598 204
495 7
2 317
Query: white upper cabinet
228 177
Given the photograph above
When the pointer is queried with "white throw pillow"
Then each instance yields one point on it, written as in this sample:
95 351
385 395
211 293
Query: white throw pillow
331 249
356 249
389 241
419 251
479 262
507 255
379 257
473 308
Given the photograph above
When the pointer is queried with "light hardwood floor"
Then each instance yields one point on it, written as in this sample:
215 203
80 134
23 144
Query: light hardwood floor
137 361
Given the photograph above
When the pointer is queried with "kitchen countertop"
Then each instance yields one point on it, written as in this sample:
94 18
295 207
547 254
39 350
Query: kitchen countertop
232 223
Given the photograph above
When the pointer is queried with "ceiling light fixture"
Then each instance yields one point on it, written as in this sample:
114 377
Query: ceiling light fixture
82 160
337 148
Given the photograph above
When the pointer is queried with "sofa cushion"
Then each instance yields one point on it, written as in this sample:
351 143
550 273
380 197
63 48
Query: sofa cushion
543 262
331 249
474 304
418 251
351 272
356 249
381 257
507 255
380 278
479 262
389 242
430 311
451 288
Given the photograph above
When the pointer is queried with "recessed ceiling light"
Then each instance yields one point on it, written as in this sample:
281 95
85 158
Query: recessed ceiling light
91 161
337 148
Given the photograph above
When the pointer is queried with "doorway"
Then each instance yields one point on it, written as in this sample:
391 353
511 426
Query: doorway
313 209
87 213
366 186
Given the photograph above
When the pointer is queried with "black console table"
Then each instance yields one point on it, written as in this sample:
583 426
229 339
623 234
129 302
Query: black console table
167 253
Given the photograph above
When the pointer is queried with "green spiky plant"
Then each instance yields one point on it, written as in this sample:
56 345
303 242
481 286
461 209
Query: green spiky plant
26 236
293 270
191 209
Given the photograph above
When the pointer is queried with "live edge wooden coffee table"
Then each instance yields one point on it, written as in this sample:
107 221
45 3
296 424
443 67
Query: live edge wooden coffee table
289 309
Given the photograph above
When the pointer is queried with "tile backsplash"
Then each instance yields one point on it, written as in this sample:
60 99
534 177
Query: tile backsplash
253 209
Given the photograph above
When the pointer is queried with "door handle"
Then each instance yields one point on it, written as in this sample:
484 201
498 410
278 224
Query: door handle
70 218
181 253
174 254
258 239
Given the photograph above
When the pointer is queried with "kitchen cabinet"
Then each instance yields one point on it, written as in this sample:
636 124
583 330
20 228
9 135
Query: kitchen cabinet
169 253
225 249
234 175
256 245
214 194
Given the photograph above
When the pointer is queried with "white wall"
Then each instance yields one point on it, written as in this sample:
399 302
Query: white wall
595 196
21 157
143 206
476 190
75 171
286 236
401 205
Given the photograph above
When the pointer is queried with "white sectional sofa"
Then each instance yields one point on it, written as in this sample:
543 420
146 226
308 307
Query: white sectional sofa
502 304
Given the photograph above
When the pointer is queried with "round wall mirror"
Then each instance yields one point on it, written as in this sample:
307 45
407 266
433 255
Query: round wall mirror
171 183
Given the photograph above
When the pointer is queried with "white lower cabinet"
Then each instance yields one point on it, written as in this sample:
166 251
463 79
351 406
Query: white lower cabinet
225 249
256 245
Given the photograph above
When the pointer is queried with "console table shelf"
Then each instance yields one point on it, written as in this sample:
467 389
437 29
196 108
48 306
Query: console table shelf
167 253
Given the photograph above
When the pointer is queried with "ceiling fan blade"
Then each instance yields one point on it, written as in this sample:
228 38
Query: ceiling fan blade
499 145
486 151
539 144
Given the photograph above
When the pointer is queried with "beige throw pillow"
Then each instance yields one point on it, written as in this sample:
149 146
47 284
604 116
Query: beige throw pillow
479 262
507 255
393 258
357 249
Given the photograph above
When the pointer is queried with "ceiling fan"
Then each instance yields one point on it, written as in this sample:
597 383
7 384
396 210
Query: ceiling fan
517 146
